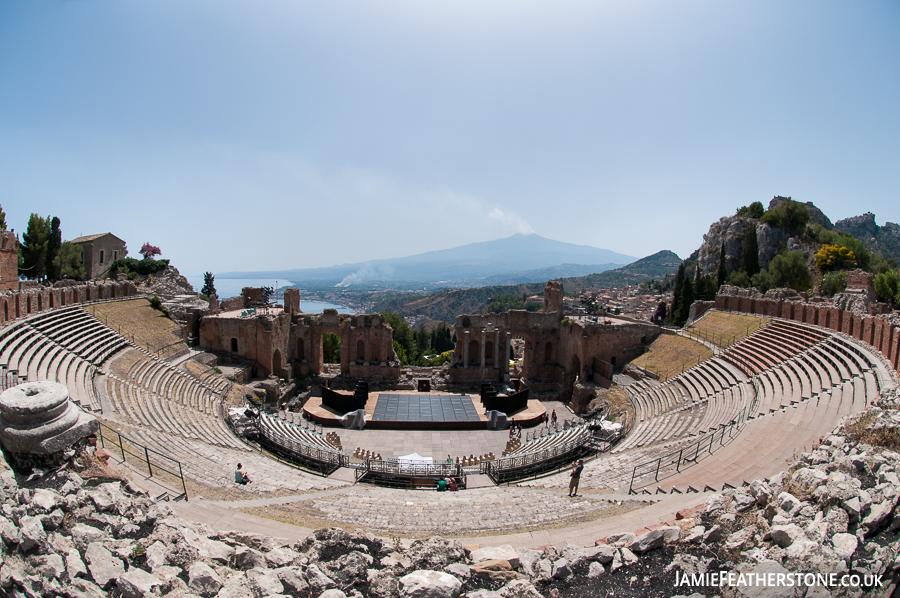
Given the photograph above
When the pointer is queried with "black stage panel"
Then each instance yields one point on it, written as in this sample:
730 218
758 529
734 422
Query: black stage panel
424 408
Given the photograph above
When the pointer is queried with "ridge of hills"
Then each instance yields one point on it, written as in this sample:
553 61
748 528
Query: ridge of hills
447 304
519 258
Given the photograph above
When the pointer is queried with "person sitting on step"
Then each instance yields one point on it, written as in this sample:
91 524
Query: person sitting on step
241 477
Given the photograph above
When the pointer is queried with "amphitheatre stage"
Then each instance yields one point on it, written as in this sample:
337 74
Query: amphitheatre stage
399 410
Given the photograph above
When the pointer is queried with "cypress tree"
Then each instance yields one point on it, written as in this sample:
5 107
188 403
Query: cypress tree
676 296
54 242
687 298
750 253
722 274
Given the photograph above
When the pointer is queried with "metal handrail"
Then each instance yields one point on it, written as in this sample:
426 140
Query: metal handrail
146 455
316 453
682 456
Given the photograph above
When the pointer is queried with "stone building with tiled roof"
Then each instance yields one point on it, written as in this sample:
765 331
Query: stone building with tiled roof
98 252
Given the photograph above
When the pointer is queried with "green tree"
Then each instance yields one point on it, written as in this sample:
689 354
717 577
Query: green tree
676 296
722 273
68 262
684 307
209 285
403 335
2 219
790 215
54 242
331 348
750 253
34 248
887 286
790 270
754 210
739 278
833 283
762 280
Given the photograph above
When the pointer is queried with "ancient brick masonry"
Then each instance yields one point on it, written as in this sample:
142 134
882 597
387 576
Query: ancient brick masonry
878 331
18 304
287 341
557 350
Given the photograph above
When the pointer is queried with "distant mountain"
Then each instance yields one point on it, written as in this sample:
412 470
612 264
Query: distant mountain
446 305
550 273
654 266
469 265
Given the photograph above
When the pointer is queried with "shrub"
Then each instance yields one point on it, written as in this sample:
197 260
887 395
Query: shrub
156 303
790 270
754 210
833 283
790 215
739 278
834 257
887 286
762 280
143 267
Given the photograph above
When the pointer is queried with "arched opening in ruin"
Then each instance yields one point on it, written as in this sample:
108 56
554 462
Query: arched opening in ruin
488 354
5 310
612 361
301 351
375 356
360 351
51 301
62 299
331 348
234 345
474 353
276 364
517 351
40 302
548 351
575 370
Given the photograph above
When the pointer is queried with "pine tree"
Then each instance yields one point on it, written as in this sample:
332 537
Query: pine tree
722 274
54 242
209 286
750 253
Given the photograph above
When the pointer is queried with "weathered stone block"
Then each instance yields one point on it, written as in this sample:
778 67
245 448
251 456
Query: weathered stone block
38 418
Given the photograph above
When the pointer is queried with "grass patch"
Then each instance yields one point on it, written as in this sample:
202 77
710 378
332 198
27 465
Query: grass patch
865 429
670 355
724 329
138 321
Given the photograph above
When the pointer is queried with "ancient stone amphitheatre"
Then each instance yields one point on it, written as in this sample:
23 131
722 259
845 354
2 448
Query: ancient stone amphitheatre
740 415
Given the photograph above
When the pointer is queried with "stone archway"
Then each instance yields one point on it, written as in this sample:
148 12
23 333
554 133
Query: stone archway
277 364
474 353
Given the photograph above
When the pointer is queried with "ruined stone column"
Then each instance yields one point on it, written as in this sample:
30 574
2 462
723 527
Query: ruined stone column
483 333
506 353
37 418
466 349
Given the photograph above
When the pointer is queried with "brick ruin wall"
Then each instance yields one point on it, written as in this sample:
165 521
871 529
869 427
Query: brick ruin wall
557 351
18 304
285 343
878 331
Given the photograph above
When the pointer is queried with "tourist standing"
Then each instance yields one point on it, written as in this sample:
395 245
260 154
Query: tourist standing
553 417
575 477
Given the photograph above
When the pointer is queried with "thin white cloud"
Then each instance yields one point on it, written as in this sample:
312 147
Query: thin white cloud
511 220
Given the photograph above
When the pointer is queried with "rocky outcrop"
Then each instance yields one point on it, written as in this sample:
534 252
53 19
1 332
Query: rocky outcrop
166 285
862 227
731 231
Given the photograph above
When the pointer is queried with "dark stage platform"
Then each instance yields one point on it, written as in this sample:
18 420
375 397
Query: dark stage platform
424 408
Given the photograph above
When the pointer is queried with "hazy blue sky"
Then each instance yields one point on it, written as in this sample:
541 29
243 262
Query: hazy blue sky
278 134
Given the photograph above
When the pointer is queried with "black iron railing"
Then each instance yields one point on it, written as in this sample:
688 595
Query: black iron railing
137 451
